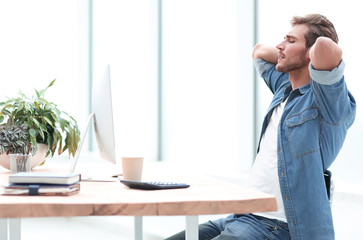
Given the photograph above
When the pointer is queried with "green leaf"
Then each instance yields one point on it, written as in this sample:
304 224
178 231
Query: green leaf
51 83
42 134
60 146
21 105
34 142
36 104
41 93
35 121
48 121
37 93
32 132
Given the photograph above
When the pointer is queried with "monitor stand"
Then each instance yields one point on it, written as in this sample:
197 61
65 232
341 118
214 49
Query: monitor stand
91 178
73 166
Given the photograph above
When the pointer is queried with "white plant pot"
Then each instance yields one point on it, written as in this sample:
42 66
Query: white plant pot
35 160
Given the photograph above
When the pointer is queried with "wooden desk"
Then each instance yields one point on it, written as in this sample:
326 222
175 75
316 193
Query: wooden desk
206 195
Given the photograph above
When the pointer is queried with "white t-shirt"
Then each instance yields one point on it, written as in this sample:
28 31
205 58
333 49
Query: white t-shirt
264 174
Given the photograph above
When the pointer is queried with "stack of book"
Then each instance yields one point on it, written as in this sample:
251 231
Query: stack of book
43 183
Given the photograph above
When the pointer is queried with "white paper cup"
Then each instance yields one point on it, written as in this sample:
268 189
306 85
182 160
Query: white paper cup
132 168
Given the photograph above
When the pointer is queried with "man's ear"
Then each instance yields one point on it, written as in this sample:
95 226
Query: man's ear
307 57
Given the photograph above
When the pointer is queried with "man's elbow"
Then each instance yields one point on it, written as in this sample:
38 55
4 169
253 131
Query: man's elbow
267 53
325 54
256 53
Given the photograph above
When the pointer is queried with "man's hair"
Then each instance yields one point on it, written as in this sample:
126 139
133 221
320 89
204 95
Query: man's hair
319 26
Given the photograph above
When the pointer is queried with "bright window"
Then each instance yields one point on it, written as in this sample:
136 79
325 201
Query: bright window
207 85
124 38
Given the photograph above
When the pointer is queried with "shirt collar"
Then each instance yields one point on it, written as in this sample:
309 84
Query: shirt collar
302 90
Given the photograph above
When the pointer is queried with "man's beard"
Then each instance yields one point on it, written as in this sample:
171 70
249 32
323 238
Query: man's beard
295 63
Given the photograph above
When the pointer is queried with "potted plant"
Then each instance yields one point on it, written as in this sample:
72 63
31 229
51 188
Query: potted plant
15 143
46 125
13 139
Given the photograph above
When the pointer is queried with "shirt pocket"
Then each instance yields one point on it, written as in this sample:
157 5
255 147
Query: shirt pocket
303 132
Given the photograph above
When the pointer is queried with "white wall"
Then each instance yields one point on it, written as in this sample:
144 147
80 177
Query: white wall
41 41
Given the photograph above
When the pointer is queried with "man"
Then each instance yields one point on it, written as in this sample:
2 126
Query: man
302 133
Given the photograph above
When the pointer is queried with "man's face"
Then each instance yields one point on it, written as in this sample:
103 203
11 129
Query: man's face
293 55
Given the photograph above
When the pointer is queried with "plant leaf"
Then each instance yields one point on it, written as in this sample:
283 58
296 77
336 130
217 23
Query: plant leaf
48 121
51 83
35 121
36 104
32 132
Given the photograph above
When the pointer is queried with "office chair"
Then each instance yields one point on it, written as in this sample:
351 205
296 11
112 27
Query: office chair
329 185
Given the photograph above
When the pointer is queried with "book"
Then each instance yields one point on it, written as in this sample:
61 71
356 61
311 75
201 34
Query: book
41 190
45 178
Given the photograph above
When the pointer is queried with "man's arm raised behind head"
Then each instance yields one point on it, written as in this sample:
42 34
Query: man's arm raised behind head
267 53
325 54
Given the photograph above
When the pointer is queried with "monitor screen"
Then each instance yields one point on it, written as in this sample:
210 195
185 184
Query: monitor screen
102 117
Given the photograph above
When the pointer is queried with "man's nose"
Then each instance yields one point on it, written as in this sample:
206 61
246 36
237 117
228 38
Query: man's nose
280 46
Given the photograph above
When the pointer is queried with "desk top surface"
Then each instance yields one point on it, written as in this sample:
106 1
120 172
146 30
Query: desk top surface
206 195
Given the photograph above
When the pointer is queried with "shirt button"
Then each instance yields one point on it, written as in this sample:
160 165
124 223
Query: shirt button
282 173
286 198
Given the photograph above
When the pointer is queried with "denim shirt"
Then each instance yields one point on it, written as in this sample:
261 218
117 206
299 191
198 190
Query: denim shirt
311 132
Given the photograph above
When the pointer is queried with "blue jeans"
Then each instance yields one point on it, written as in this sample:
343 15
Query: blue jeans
241 227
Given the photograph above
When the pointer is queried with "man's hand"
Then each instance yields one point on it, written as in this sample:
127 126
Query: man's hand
325 54
267 53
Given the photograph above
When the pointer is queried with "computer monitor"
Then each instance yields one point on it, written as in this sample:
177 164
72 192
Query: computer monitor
102 117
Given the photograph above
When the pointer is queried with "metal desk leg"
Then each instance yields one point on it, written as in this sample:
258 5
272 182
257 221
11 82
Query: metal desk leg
3 228
191 228
14 228
138 228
